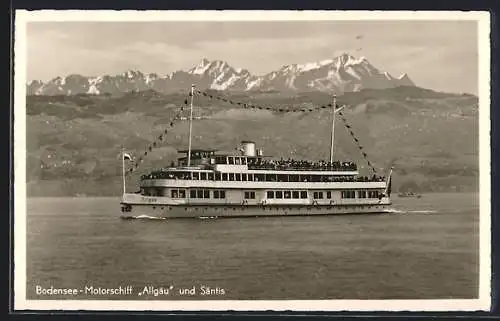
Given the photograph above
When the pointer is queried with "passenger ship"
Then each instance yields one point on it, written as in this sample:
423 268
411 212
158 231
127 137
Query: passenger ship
209 184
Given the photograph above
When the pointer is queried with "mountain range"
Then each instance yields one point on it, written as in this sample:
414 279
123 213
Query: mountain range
344 73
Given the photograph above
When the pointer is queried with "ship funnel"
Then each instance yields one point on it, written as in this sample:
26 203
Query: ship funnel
248 148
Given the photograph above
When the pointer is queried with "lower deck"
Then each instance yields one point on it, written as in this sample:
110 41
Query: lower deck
214 211
235 202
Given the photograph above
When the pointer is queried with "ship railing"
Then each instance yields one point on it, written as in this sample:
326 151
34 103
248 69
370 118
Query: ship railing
322 179
303 168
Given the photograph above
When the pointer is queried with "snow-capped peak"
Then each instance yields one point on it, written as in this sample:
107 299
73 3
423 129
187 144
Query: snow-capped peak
313 65
131 74
404 80
34 82
205 65
346 60
204 62
201 68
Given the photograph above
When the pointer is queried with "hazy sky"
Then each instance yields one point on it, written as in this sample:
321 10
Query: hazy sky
436 55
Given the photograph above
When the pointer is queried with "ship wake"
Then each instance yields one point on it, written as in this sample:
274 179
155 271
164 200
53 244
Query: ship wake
142 217
395 211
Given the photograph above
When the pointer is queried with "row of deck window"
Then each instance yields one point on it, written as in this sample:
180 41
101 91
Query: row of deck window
277 194
286 194
205 193
198 193
360 194
231 160
239 177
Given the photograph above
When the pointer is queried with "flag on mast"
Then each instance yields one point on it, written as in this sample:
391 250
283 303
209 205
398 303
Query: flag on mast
389 187
127 156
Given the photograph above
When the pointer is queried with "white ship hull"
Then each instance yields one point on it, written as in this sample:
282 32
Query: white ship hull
213 211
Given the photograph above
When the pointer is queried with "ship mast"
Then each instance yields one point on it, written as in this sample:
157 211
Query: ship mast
334 105
190 125
123 171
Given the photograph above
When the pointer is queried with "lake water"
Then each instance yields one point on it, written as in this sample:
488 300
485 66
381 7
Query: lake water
428 249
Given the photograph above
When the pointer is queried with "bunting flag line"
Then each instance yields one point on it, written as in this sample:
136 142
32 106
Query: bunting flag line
365 155
251 106
346 123
157 142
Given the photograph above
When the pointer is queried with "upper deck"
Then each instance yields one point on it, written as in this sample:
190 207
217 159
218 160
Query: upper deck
251 158
252 165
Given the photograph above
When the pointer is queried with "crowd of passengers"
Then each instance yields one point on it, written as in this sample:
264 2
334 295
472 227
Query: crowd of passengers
162 174
284 164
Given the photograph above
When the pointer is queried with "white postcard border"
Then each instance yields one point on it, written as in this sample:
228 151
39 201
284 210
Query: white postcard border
22 17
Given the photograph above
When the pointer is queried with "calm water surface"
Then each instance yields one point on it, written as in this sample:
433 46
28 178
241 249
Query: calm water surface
428 249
